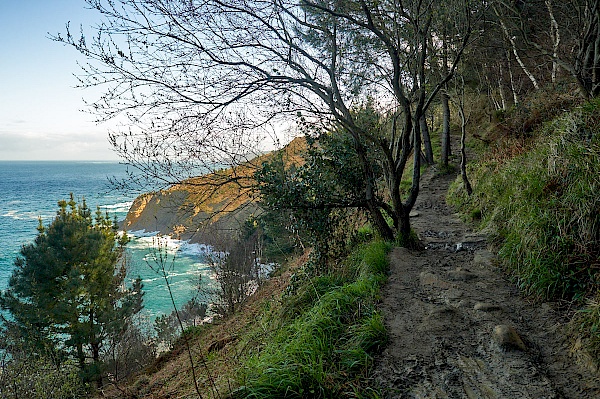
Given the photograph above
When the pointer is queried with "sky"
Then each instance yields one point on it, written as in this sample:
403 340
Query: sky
41 115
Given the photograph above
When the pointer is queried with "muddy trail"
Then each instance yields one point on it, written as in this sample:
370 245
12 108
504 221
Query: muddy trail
460 329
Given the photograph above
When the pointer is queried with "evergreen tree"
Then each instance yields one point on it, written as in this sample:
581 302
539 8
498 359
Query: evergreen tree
67 294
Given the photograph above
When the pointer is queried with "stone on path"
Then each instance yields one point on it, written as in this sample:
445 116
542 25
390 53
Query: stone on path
431 279
483 258
461 275
508 338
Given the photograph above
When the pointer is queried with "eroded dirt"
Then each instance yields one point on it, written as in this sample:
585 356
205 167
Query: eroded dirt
458 327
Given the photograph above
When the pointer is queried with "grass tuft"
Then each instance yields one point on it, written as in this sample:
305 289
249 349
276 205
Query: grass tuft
587 322
327 348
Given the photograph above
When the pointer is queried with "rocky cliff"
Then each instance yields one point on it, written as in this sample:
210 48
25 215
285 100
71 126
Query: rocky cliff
196 208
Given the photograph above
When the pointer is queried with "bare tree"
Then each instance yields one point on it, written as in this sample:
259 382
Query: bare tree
236 269
565 33
511 39
464 115
427 148
199 84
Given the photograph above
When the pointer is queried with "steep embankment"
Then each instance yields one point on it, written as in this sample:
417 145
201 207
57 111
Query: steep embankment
221 200
539 201
458 326
301 335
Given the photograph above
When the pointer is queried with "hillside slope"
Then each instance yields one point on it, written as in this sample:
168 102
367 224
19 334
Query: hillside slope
458 325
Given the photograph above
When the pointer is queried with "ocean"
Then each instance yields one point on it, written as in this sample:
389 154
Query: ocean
31 190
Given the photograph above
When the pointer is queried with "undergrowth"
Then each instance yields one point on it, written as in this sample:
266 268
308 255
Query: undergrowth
541 207
327 330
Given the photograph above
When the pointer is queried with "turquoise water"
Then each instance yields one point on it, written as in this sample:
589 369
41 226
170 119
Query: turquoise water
31 190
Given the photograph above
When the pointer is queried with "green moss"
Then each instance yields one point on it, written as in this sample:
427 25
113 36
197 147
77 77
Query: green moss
410 241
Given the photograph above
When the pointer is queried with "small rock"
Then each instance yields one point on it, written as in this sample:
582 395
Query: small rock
508 338
442 320
483 258
443 312
464 304
461 275
454 294
428 278
486 307
414 214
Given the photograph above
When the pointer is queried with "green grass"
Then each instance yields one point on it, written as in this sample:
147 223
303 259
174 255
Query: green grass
542 210
326 350
587 324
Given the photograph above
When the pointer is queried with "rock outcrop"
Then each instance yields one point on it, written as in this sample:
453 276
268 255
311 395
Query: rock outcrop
198 208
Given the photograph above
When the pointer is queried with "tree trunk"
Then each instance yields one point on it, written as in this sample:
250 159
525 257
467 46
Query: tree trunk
96 357
404 228
463 151
95 345
501 90
512 82
555 35
587 66
405 237
379 221
513 46
446 151
426 140
80 356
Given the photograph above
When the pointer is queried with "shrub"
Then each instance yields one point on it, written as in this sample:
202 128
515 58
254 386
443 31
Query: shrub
39 378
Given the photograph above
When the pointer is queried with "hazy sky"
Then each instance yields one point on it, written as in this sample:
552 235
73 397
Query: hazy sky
40 109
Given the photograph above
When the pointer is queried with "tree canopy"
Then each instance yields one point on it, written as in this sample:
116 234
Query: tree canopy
68 292
199 84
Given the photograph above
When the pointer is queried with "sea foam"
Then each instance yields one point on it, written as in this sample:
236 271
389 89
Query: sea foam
19 215
120 207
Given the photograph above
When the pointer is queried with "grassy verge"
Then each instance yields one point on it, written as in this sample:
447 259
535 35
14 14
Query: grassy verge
327 330
542 209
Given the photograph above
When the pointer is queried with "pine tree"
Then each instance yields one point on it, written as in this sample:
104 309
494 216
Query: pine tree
68 294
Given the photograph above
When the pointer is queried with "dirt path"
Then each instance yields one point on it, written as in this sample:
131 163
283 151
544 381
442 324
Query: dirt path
459 329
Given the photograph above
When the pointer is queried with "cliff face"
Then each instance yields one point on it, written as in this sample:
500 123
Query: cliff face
160 211
197 208
178 213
